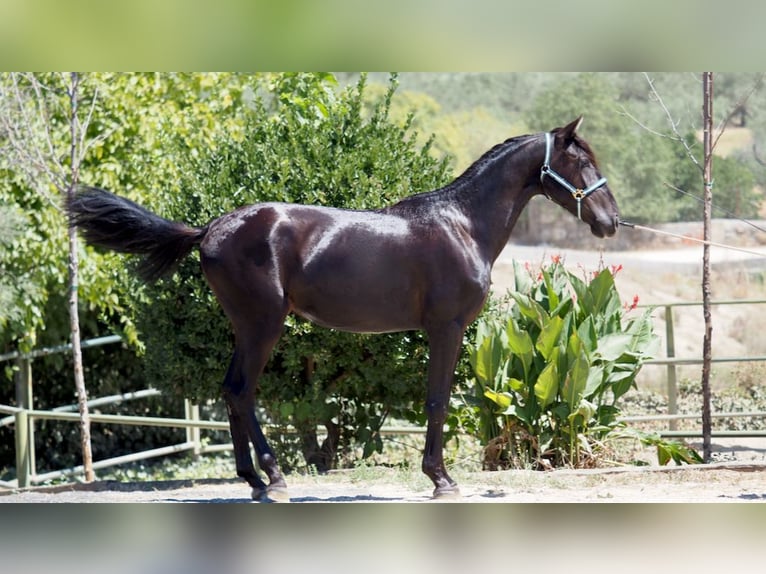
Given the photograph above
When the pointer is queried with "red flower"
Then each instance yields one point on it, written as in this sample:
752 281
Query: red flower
633 305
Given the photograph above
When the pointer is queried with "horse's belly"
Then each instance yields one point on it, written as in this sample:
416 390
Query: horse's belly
358 316
360 307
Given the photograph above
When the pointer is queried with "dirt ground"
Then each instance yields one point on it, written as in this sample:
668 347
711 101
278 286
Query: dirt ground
718 482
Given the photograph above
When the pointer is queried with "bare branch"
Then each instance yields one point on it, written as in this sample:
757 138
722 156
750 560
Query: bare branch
41 105
757 84
673 124
643 126
84 146
27 109
23 155
27 137
74 127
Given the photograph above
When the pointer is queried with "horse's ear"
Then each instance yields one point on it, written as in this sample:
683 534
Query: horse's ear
567 133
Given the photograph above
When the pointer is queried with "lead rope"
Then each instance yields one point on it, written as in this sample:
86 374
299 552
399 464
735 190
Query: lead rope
688 238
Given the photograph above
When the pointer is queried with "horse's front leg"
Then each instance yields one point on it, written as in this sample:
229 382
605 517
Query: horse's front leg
444 344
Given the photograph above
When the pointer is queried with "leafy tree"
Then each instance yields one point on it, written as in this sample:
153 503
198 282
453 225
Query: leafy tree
33 116
302 142
735 192
12 289
130 116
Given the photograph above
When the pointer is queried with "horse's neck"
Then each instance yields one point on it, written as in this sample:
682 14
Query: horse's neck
495 198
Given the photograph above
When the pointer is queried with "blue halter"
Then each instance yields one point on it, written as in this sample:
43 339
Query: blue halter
578 194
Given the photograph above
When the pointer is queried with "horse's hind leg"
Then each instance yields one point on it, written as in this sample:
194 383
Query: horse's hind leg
239 393
232 387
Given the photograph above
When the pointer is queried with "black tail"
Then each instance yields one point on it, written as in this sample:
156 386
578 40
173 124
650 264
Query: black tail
112 222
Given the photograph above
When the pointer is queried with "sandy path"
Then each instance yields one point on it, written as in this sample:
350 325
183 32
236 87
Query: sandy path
719 482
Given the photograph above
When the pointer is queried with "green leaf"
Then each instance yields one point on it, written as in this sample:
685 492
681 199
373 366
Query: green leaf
550 290
487 360
520 345
586 410
286 410
530 309
547 385
519 341
549 337
577 377
522 279
611 347
501 399
594 382
517 385
587 334
601 289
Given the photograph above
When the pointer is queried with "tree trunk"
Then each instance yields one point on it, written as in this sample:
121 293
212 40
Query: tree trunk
74 318
707 176
322 457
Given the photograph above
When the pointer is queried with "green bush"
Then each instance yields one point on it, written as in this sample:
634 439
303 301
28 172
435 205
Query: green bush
306 143
549 374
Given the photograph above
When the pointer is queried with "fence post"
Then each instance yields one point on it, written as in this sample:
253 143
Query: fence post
25 433
22 449
193 434
670 348
24 383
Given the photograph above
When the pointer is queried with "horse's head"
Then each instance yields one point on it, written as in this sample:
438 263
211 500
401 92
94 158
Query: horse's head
570 177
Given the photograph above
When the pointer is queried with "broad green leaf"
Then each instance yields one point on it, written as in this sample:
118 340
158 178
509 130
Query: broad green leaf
663 454
530 309
520 344
612 346
521 277
601 289
503 400
547 385
587 334
594 382
516 385
550 291
501 376
486 360
622 386
549 337
577 377
519 341
586 410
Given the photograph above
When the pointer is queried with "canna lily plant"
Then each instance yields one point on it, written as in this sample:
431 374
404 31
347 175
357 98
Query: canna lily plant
549 375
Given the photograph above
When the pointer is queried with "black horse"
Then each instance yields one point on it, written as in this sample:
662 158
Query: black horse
422 263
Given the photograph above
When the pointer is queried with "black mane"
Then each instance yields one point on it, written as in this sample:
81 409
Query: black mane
449 191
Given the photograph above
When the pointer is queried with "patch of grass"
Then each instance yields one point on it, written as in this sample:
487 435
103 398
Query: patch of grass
180 467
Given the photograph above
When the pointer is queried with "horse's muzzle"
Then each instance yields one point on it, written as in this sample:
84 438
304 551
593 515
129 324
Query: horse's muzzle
605 227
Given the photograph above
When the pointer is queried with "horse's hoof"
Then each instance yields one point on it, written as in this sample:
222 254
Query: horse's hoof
451 492
271 494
